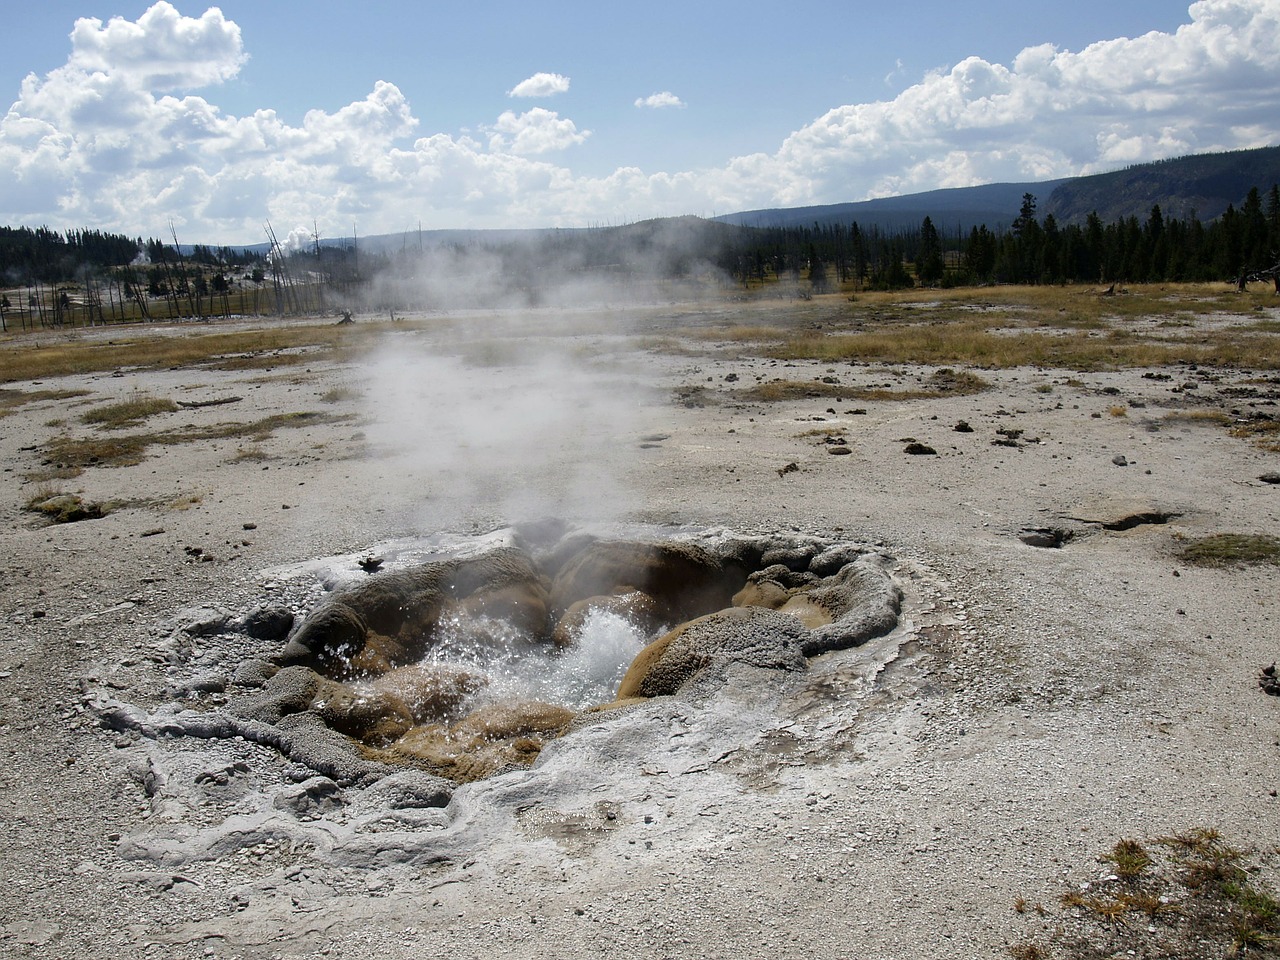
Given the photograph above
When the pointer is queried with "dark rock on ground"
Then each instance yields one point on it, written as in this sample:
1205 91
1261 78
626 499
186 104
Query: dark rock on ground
920 449
1051 537
271 621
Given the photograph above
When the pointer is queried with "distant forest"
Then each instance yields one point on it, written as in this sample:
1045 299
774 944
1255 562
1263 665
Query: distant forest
1243 243
94 276
41 255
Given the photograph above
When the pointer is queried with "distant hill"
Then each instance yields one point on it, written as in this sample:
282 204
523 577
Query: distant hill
1203 184
995 204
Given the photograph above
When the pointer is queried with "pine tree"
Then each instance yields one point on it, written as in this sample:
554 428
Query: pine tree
929 263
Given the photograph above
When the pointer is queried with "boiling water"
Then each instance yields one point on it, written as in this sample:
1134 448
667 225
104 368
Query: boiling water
518 669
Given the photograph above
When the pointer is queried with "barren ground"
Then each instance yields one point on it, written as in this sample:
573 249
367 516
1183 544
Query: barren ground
1038 705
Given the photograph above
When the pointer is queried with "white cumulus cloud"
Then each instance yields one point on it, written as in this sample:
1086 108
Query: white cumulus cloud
1213 84
537 131
540 85
126 136
656 101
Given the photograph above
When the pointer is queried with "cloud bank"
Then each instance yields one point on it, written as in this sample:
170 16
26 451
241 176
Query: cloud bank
125 136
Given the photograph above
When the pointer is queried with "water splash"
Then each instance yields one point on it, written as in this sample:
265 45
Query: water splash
520 669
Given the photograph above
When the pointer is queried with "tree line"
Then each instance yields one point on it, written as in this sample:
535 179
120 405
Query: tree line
1241 244
40 255
92 276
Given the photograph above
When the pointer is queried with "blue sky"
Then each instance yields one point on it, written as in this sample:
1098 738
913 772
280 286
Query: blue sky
381 114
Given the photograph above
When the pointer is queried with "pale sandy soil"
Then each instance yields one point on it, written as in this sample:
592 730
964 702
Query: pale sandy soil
1037 705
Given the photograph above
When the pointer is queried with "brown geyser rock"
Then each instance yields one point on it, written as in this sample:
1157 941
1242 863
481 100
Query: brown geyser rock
804 600
857 602
374 717
391 619
491 739
753 635
433 692
683 579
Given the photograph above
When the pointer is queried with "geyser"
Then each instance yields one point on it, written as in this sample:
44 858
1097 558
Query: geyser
466 666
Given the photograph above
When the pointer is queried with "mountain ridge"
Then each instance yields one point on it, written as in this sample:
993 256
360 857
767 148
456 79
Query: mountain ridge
1202 185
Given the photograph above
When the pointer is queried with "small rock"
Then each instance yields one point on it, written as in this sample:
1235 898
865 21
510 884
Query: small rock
1051 537
310 799
1268 682
920 449
271 621
962 426
254 673
1270 477
1120 460
201 621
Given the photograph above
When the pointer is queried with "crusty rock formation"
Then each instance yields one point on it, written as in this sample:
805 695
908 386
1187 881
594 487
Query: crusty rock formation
391 619
370 663
752 635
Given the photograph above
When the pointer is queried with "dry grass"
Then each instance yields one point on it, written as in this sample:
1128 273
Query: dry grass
1231 550
1188 896
822 432
1130 859
1211 417
11 399
68 452
972 343
58 506
30 359
1028 951
1262 433
251 455
130 412
942 383
1060 327
340 395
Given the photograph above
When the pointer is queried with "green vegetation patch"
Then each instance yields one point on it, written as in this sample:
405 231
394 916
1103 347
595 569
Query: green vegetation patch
1231 549
1187 896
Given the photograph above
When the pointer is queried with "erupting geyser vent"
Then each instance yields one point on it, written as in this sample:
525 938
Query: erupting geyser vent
467 666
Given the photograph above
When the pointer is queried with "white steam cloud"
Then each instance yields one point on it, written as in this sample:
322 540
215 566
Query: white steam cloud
503 428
